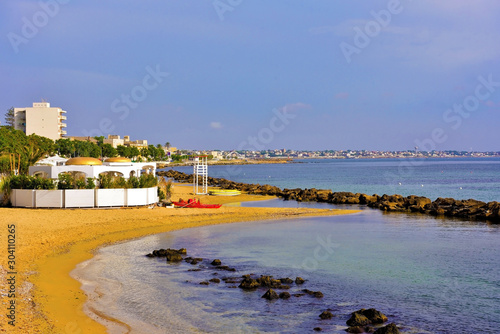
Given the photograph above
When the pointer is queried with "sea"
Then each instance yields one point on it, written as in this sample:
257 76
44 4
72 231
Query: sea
426 274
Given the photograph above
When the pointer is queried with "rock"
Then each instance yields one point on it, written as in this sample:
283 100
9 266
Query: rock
376 317
150 255
204 283
299 280
193 262
284 295
214 280
317 329
318 294
357 319
216 262
174 257
299 294
286 280
248 283
389 329
197 269
355 329
270 295
326 315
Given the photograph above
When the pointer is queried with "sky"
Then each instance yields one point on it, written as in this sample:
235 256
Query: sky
241 74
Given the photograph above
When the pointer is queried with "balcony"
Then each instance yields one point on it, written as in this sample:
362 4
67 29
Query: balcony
63 125
62 118
62 132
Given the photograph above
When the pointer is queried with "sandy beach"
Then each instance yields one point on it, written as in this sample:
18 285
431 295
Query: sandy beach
50 243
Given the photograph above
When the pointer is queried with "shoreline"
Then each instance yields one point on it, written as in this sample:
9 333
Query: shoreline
49 299
469 209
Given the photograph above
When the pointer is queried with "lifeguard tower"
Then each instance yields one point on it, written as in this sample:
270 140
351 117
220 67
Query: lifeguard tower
200 172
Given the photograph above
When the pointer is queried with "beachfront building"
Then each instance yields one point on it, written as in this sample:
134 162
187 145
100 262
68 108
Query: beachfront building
115 141
41 119
87 198
92 168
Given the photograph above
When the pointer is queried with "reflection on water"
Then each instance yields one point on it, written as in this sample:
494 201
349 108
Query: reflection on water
426 274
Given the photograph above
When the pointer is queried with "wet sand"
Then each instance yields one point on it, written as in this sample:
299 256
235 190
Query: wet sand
51 242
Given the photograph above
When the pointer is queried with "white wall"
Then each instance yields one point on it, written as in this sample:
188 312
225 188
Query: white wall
83 198
49 199
79 198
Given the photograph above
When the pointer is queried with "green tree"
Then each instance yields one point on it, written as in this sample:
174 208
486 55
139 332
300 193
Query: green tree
9 117
109 151
123 151
65 147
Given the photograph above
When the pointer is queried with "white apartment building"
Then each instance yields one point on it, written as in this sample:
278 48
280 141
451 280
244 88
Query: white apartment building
41 120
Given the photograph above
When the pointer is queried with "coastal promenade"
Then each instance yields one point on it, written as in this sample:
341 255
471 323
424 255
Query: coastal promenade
50 243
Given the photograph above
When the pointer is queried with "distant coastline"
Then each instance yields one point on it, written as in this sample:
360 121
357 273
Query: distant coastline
446 207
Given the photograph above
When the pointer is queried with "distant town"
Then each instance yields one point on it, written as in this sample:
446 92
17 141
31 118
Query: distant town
43 120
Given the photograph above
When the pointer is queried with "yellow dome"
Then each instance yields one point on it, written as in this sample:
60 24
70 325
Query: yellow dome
118 159
83 161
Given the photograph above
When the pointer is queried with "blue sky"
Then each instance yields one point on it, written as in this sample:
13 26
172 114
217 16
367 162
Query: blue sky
226 74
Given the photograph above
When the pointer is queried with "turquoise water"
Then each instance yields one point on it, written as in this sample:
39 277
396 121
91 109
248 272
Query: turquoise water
427 275
460 178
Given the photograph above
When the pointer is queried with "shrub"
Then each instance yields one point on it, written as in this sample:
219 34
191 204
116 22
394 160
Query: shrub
90 183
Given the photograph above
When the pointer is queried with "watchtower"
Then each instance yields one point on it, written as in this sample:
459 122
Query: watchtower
200 172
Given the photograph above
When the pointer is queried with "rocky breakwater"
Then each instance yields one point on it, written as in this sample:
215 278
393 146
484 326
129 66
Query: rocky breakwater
448 207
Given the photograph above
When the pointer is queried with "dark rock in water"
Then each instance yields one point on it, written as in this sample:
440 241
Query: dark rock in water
360 329
196 269
188 259
389 329
376 317
216 262
326 315
225 268
194 262
182 251
317 329
299 280
214 280
150 255
204 283
299 294
284 295
317 294
231 280
358 319
232 287
199 259
286 280
270 294
174 257
249 284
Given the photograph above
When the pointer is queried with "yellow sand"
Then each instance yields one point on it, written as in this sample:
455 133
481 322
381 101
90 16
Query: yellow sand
50 243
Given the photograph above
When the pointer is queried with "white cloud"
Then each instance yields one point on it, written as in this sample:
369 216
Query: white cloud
216 125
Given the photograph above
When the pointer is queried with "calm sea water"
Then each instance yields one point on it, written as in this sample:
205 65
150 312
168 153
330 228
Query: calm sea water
427 275
460 178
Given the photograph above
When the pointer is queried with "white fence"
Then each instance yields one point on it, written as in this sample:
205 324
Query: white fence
83 198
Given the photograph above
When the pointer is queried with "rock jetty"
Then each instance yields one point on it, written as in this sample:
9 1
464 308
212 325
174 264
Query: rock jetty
448 207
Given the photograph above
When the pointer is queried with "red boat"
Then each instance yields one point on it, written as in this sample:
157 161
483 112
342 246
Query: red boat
193 203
